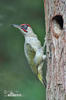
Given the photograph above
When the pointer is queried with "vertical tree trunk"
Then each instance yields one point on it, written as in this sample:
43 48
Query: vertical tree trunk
55 17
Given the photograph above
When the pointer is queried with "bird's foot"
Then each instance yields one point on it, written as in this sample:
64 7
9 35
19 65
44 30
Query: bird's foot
44 57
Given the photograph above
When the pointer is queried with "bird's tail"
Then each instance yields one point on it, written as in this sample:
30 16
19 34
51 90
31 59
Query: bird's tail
42 80
40 75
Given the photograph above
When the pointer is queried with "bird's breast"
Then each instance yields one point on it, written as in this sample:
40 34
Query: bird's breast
34 42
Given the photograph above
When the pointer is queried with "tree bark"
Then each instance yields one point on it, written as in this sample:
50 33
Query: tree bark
55 19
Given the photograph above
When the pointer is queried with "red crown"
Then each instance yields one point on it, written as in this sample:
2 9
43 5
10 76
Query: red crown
25 24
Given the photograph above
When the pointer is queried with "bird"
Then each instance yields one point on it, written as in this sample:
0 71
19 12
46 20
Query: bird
34 52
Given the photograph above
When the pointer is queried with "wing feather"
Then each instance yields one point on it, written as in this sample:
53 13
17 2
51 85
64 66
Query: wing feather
30 54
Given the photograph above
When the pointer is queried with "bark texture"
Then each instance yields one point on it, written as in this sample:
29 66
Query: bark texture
55 17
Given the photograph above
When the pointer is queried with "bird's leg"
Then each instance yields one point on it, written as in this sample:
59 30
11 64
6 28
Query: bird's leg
44 57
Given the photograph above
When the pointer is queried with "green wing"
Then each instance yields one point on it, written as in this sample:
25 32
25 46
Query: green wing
31 54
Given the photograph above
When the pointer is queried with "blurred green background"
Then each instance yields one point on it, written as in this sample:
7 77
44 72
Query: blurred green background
15 73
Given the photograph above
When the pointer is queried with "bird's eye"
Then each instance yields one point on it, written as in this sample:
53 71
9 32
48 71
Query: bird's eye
24 27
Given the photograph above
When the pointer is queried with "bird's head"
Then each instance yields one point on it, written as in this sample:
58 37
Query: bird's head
24 28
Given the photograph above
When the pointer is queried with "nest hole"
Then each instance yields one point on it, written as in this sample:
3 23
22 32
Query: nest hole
59 20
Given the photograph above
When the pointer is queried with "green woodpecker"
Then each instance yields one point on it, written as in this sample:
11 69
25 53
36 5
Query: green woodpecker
34 52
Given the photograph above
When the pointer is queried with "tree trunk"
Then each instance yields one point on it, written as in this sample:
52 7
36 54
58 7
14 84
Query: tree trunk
55 17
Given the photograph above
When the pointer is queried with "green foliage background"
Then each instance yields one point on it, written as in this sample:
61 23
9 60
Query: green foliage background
15 73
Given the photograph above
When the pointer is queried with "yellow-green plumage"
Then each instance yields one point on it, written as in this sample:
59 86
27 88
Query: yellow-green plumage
33 51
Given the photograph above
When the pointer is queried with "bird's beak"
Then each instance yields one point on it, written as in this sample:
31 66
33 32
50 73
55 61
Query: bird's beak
15 25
